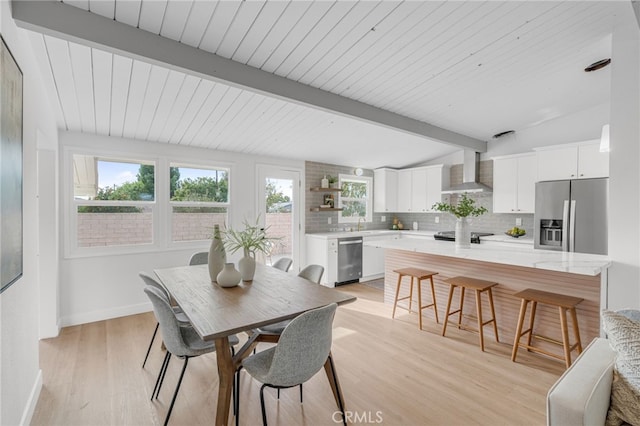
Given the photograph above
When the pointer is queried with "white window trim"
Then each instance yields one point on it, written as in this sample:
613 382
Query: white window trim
369 199
161 206
172 204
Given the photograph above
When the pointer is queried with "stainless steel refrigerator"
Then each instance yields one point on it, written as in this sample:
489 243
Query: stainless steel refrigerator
571 215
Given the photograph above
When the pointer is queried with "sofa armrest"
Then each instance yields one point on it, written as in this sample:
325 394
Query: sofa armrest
581 395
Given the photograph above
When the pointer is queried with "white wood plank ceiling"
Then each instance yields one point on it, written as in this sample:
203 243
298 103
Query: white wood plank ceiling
475 68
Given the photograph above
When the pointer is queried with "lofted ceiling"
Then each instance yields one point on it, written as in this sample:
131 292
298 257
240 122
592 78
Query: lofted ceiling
471 69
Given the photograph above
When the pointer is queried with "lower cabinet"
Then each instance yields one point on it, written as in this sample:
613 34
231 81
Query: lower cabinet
373 258
324 252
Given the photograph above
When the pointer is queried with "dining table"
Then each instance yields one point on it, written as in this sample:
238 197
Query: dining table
216 313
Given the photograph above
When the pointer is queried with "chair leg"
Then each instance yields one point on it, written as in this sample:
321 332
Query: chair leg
150 344
175 394
165 362
433 295
338 392
395 302
300 393
264 413
446 315
480 321
278 393
419 301
516 340
164 372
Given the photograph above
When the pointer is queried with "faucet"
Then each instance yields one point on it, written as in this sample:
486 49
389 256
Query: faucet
360 226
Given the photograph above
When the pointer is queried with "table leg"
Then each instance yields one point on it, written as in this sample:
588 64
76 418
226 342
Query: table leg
226 372
330 370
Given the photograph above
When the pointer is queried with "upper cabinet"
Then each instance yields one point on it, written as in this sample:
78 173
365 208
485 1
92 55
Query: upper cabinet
385 190
415 191
514 181
576 161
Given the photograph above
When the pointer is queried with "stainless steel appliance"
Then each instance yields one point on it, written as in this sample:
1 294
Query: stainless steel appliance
451 236
571 215
349 260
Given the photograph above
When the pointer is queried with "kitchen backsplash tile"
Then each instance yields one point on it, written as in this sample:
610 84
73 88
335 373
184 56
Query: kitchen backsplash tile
489 222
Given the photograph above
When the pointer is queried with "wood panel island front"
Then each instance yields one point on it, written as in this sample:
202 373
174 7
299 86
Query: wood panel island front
515 267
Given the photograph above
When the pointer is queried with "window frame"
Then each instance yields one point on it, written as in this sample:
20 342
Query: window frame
172 204
161 206
368 180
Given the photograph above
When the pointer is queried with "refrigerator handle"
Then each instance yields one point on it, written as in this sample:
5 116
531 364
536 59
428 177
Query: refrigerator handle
565 226
572 226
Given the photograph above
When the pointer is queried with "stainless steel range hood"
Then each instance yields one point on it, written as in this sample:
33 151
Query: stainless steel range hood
470 176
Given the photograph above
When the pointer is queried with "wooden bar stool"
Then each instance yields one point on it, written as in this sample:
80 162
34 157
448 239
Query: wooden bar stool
480 286
564 303
419 274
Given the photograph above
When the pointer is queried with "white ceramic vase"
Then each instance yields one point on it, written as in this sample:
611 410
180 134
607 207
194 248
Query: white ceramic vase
229 276
217 254
247 266
463 233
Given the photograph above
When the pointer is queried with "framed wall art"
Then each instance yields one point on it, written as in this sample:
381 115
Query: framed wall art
11 244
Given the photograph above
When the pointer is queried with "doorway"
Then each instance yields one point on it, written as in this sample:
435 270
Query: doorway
278 202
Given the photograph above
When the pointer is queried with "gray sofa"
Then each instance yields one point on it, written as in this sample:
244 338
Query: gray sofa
581 395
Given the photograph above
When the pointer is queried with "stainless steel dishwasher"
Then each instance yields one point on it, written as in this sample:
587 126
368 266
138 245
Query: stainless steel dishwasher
349 260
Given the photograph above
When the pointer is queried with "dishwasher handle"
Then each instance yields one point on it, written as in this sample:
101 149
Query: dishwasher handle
344 242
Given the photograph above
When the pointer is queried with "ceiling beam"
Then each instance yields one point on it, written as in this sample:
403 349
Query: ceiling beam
73 24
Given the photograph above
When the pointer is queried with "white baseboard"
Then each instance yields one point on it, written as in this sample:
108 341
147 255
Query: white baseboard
30 407
106 314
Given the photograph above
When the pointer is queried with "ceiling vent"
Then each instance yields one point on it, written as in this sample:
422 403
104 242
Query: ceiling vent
470 176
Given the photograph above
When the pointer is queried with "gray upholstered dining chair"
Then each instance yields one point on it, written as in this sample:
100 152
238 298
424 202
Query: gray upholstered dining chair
302 350
200 258
182 342
180 316
312 273
284 263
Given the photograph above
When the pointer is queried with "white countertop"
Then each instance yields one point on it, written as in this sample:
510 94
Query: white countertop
369 232
512 254
504 238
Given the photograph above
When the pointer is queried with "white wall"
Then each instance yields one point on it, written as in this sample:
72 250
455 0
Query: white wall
97 288
624 184
20 376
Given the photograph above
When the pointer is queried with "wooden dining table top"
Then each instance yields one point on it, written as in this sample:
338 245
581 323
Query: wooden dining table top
271 297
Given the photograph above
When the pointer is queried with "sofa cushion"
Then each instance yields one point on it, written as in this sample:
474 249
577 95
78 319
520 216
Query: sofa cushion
624 337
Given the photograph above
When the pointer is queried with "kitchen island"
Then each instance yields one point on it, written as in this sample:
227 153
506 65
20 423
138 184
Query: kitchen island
515 267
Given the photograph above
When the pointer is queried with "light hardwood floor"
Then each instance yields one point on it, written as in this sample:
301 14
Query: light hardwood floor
391 373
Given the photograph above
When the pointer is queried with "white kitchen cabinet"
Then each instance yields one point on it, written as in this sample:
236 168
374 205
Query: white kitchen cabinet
324 252
437 178
373 257
575 161
514 179
419 188
404 190
591 162
385 190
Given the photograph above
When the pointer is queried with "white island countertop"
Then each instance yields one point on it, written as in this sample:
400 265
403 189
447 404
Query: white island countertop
516 255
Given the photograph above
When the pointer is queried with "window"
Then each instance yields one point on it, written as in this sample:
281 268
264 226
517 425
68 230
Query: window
114 201
355 199
199 199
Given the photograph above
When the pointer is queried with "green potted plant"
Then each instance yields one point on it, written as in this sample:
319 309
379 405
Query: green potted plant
466 207
253 238
333 181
